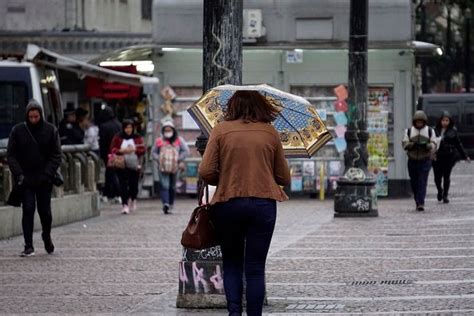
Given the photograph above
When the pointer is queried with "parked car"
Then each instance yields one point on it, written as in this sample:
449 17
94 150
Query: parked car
461 108
21 81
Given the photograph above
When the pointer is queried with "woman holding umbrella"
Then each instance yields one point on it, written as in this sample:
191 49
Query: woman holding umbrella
245 159
447 154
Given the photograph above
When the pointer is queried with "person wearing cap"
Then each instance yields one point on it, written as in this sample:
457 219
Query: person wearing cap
420 143
34 156
169 152
450 149
69 130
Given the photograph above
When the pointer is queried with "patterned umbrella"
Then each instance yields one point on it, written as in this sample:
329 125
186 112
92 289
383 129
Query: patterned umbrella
302 132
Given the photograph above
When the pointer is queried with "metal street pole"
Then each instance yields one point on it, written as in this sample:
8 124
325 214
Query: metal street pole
355 194
222 64
449 50
467 51
424 70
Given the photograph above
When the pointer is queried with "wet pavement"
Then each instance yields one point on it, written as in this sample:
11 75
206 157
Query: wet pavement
402 262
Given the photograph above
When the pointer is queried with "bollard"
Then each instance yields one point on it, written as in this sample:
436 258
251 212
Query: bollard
77 178
90 177
321 183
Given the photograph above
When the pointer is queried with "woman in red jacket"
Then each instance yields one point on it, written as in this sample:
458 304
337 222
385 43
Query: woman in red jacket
131 146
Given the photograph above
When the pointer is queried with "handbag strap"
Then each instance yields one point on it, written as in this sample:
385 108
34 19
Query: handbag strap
203 189
29 132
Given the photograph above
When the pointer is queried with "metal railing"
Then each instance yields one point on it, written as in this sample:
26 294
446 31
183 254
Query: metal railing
81 168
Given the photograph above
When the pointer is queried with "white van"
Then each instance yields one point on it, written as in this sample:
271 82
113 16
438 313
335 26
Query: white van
21 81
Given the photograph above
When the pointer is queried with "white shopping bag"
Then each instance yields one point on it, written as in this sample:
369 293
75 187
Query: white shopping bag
212 190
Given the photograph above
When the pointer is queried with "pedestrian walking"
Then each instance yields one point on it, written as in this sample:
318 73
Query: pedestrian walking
130 145
109 126
169 152
69 130
34 155
449 152
91 135
244 158
420 143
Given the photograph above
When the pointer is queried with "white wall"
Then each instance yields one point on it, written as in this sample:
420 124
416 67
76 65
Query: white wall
47 15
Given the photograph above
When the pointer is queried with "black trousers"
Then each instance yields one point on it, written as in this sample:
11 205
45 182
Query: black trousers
36 197
442 173
112 185
128 184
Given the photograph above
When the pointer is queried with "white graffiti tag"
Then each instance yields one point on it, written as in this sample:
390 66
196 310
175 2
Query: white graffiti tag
361 205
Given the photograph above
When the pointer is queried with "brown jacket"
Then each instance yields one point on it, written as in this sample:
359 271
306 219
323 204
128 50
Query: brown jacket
245 160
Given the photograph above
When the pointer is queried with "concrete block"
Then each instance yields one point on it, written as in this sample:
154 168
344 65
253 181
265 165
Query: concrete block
68 209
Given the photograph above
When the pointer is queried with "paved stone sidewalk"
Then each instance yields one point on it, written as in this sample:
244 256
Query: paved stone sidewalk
401 262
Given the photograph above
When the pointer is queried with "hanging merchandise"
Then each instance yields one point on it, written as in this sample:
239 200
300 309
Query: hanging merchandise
341 92
379 111
340 118
341 106
340 130
341 144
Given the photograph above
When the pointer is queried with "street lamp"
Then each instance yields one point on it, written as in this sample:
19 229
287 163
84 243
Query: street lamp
355 194
467 50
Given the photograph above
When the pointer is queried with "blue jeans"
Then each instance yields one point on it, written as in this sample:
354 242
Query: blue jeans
419 171
245 229
167 187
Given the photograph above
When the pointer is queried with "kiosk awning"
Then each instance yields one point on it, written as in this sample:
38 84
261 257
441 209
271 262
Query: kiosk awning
41 56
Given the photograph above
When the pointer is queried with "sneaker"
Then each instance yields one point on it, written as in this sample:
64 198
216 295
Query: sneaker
166 208
420 208
28 252
48 244
104 199
125 209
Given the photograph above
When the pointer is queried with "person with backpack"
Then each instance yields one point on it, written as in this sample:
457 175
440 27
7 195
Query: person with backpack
131 147
169 152
447 154
420 143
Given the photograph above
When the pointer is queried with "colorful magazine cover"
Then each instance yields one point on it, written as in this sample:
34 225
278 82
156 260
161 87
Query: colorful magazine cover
296 183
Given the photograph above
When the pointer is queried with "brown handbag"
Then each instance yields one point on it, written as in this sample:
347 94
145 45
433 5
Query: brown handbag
200 232
116 161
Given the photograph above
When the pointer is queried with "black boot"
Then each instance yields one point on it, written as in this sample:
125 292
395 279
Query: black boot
440 194
48 243
447 183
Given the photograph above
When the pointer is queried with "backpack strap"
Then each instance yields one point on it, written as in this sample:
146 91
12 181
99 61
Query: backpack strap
430 132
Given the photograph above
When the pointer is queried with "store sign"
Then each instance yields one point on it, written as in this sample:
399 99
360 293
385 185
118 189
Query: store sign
294 56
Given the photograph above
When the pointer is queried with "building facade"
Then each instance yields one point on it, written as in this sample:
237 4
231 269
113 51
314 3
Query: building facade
301 47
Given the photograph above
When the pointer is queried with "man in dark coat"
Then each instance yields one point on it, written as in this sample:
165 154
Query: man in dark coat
108 128
69 129
34 155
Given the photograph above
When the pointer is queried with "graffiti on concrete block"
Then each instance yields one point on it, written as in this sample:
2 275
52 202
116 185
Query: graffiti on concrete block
361 205
200 278
209 254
